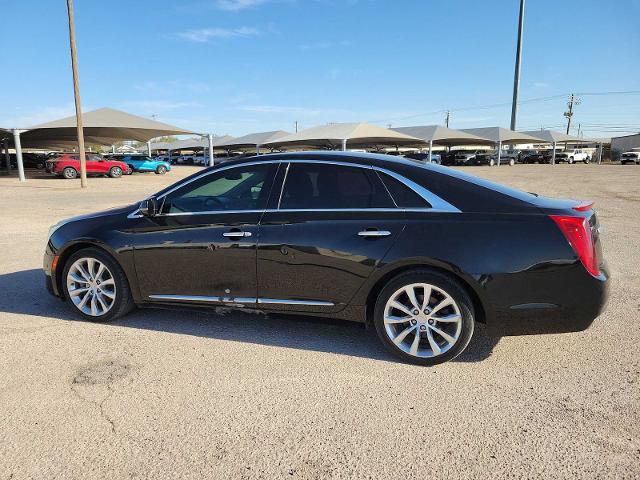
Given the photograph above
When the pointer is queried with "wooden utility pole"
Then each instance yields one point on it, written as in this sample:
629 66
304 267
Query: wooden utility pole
446 121
516 75
573 100
76 94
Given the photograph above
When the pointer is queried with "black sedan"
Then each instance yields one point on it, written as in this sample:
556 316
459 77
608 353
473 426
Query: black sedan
418 251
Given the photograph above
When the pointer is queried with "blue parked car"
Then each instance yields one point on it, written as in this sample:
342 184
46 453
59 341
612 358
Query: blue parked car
142 163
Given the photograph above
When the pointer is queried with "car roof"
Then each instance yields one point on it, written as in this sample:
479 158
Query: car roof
361 158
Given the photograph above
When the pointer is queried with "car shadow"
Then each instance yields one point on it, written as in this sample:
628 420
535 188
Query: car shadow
24 293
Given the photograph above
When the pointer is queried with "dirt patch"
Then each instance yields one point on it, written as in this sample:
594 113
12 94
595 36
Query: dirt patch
103 373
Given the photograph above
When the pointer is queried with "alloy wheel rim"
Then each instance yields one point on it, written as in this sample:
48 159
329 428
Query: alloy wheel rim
422 320
91 286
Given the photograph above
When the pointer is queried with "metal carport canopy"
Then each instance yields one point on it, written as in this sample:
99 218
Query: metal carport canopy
254 140
343 135
439 135
500 135
553 137
104 126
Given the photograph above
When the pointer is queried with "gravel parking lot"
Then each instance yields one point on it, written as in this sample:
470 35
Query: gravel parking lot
167 394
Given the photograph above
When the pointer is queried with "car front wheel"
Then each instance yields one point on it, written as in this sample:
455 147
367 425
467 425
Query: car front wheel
115 172
161 170
69 173
95 285
424 317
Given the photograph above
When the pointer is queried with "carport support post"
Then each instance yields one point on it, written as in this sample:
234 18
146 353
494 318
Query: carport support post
430 150
499 152
6 155
553 153
210 150
257 149
18 147
149 147
344 145
599 153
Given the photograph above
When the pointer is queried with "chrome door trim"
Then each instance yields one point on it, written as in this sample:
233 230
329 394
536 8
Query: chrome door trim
203 298
240 300
374 233
236 234
282 301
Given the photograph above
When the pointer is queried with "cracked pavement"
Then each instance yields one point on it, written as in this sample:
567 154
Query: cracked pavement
225 394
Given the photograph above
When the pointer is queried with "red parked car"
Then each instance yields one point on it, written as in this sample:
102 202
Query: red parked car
67 165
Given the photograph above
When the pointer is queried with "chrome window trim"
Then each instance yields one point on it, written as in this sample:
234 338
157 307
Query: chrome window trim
438 205
293 210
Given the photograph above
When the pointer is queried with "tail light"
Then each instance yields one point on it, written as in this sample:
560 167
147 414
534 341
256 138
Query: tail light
577 231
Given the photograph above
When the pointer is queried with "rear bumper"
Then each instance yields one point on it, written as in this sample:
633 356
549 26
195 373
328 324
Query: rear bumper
572 307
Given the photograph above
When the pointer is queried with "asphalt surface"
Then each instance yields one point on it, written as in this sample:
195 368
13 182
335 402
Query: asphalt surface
169 394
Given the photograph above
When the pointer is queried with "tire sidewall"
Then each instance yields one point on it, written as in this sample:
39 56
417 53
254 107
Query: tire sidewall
123 300
440 280
69 169
161 170
113 172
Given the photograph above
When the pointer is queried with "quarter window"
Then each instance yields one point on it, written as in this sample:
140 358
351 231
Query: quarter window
241 188
327 186
403 195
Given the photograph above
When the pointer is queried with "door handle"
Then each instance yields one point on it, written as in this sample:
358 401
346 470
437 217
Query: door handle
374 233
236 234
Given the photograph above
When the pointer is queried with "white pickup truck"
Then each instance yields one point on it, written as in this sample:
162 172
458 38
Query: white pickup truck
573 156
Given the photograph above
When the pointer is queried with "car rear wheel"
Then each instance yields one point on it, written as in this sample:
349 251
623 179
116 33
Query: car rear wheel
492 162
570 160
115 172
95 285
512 162
424 317
130 170
587 160
69 173
161 170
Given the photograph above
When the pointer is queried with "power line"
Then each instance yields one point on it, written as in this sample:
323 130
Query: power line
506 104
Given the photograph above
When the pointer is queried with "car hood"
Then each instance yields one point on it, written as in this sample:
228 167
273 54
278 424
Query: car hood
104 213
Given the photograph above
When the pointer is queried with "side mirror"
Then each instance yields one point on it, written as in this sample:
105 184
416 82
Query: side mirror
149 207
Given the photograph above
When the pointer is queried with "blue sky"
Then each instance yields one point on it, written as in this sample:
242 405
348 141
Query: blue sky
240 66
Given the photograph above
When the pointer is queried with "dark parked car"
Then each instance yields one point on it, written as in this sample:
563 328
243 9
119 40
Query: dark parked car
424 157
419 251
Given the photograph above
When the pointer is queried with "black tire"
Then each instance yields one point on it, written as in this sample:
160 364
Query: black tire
570 160
69 173
115 172
161 170
447 284
123 301
587 160
130 171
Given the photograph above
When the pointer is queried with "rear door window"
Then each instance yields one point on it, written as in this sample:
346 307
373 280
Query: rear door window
318 186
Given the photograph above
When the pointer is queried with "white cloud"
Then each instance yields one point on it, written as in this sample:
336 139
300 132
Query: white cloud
154 106
323 45
203 35
235 5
